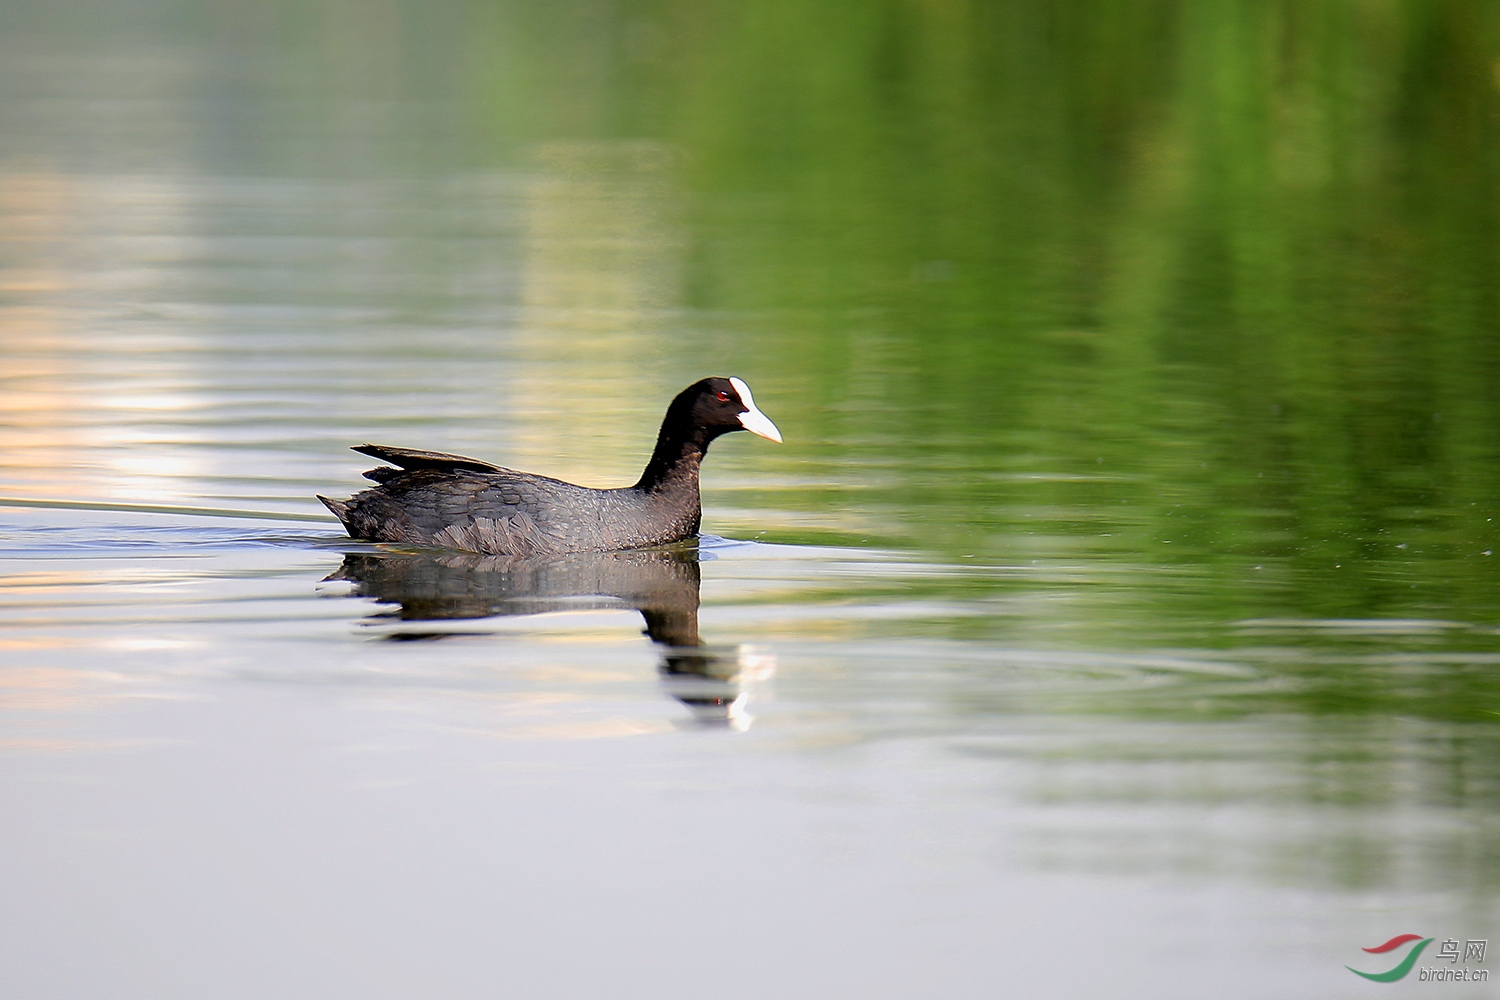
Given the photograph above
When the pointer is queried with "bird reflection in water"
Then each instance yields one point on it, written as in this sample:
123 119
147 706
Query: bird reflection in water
662 584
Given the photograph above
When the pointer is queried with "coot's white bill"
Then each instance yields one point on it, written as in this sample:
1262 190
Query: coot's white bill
752 419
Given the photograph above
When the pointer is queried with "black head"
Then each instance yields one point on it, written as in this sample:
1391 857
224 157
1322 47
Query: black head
700 413
715 406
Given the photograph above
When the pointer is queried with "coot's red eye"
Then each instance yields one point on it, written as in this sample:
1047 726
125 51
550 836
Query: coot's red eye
723 397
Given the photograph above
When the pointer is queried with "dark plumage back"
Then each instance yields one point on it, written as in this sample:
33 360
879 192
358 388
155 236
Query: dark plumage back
434 499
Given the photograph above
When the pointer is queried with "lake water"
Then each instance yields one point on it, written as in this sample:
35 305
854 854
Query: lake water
1120 617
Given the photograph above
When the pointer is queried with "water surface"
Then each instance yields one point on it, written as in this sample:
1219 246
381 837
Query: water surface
1120 617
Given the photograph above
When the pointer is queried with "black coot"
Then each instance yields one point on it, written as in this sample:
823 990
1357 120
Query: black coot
461 503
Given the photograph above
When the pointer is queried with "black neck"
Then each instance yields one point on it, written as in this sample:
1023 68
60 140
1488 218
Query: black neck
680 447
674 463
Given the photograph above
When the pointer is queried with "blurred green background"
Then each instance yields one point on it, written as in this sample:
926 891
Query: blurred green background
1203 295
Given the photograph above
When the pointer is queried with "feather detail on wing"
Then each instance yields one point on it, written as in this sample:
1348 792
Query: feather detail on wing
411 459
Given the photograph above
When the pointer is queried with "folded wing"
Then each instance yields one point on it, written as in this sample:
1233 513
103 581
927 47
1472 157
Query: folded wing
412 460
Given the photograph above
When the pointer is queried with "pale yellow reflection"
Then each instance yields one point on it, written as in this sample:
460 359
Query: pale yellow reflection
602 270
36 408
76 252
54 689
603 729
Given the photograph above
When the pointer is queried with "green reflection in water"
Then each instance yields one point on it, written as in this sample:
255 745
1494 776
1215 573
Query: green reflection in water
1209 286
1181 317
